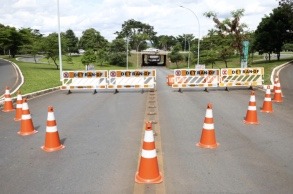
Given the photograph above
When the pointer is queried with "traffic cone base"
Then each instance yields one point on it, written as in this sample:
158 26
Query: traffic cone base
27 133
208 139
157 180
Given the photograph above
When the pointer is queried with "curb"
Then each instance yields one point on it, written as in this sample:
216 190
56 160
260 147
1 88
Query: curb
32 95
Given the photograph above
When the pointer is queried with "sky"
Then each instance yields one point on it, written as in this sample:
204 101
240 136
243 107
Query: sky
107 16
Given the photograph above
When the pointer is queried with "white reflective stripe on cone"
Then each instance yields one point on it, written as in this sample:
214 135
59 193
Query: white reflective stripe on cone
149 136
252 98
7 99
278 91
209 113
24 106
51 129
208 126
26 117
251 107
18 105
148 153
267 99
51 116
6 91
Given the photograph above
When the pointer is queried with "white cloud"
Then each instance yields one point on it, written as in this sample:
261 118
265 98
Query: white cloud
107 16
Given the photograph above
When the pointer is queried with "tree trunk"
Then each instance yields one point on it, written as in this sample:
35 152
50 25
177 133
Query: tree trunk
54 60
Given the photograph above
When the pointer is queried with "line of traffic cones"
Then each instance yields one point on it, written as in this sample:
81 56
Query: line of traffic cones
148 171
22 114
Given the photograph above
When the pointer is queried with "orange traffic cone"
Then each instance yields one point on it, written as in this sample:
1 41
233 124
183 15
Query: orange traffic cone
52 141
8 105
278 92
275 83
267 104
208 136
18 107
148 171
251 115
27 127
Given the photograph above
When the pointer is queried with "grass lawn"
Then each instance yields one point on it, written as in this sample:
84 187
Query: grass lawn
45 75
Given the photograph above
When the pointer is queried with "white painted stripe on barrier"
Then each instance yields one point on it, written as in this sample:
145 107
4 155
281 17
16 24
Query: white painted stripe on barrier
51 129
26 117
51 116
251 107
208 126
148 153
149 136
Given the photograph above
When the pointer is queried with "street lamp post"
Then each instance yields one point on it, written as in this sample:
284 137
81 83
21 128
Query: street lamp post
59 43
198 32
188 53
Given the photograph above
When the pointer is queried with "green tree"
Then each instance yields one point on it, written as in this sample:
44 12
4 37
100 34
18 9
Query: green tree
272 32
136 31
92 39
34 45
72 41
184 40
165 42
231 27
88 57
117 52
175 55
51 47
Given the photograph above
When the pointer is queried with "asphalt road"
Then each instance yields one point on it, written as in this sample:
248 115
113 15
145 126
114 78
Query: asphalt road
8 76
102 134
250 158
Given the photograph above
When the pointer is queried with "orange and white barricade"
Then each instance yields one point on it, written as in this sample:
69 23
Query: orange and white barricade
76 80
132 79
196 78
231 77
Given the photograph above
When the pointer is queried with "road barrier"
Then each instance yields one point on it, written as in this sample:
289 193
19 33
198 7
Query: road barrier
241 77
73 80
196 78
129 79
227 77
